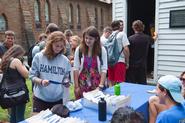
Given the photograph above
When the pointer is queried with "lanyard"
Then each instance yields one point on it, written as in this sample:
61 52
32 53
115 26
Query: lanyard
89 62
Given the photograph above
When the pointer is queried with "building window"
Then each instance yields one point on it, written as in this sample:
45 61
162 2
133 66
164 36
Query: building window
87 17
47 18
37 13
96 18
70 19
78 17
3 23
102 19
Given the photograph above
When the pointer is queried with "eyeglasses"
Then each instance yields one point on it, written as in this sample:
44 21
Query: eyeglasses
182 79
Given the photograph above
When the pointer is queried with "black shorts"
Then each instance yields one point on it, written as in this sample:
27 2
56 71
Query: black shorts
39 105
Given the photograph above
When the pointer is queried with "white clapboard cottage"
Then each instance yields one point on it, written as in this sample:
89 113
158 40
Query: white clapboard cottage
168 16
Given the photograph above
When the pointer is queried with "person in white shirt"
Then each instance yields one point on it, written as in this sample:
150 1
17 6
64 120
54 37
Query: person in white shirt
107 31
117 73
90 63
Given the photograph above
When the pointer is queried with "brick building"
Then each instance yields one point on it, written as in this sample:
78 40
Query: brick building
28 18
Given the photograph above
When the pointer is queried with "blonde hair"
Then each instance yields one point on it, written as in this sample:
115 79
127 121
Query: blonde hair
56 36
42 35
76 38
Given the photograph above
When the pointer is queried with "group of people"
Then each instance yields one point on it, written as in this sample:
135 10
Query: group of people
12 57
59 58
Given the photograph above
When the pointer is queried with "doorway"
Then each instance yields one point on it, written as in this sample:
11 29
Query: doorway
143 10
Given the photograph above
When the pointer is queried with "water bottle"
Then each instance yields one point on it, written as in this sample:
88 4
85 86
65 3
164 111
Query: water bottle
117 89
102 110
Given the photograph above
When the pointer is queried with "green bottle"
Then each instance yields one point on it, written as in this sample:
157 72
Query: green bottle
117 89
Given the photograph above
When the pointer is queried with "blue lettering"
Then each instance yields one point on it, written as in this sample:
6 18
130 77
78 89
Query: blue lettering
52 69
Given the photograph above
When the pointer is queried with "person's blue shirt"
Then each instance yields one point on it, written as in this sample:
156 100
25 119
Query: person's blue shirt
175 114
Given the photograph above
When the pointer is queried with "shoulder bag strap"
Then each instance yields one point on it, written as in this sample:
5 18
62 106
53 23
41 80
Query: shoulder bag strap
5 74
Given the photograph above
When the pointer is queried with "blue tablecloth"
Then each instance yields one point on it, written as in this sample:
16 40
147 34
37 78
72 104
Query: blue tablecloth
139 101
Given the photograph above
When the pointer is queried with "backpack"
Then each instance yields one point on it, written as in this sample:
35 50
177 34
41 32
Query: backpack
29 56
113 52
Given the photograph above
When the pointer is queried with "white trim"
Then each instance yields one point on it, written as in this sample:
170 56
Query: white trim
156 42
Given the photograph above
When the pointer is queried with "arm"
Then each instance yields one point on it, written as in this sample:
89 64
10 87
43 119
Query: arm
17 64
103 67
34 72
102 80
76 72
76 67
126 54
155 36
126 51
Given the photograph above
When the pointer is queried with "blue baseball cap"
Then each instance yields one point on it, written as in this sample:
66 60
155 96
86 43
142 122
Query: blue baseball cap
173 85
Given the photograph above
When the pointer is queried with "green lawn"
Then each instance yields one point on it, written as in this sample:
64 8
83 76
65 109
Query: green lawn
4 113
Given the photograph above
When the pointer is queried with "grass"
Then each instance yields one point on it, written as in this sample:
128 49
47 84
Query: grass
4 114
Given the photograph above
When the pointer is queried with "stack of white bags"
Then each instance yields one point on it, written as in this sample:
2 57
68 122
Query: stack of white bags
48 117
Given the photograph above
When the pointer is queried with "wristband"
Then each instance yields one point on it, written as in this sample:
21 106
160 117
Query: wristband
101 87
41 82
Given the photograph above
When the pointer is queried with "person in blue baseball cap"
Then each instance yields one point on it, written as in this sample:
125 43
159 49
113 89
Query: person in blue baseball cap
169 92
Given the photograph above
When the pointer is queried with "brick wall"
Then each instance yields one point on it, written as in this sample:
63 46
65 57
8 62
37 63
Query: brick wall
20 17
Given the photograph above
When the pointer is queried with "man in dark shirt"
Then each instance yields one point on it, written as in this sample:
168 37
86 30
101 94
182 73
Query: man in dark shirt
9 41
139 43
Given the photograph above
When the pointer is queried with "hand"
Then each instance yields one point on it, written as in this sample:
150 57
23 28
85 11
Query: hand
77 92
67 85
44 82
101 87
127 66
72 62
71 57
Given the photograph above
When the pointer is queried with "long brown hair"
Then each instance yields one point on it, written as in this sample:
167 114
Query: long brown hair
56 36
91 31
16 51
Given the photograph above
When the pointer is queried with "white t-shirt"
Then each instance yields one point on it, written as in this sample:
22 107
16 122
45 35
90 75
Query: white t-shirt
103 40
